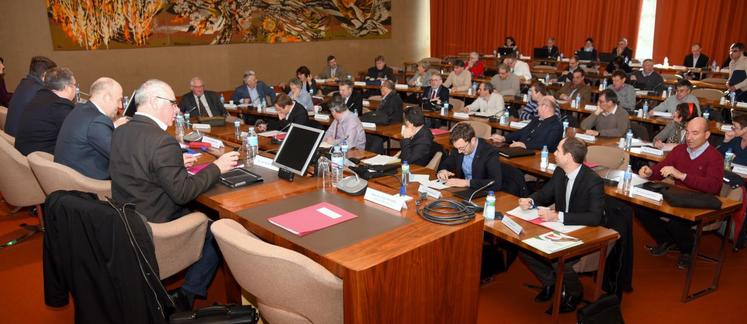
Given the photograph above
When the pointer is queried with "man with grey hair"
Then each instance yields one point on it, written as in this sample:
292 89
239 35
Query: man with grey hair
345 127
647 78
252 91
42 118
85 140
147 170
487 101
388 112
201 102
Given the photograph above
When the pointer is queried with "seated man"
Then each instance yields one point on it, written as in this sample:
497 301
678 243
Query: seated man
474 65
25 91
417 146
472 162
389 112
488 101
346 126
738 63
43 116
696 59
543 131
200 102
683 95
537 90
434 95
459 79
148 171
648 79
332 70
505 82
576 88
578 194
380 72
552 51
696 165
608 120
518 67
350 98
573 65
85 140
252 91
736 140
301 96
289 112
625 93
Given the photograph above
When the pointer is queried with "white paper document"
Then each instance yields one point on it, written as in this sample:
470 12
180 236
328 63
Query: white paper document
381 160
271 133
265 163
531 215
435 184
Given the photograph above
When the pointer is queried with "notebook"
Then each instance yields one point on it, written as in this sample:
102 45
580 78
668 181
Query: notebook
512 152
307 220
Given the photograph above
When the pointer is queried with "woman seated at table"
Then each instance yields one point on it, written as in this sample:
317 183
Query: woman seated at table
509 44
298 94
736 140
674 132
422 75
589 50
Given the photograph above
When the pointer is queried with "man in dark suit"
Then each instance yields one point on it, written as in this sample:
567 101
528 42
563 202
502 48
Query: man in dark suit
389 111
696 59
148 170
578 194
252 91
42 119
25 91
352 99
85 140
622 50
201 102
417 140
552 51
543 131
289 112
434 96
472 162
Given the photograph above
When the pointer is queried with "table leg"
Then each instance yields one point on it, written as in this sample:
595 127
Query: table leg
691 266
600 272
559 273
686 296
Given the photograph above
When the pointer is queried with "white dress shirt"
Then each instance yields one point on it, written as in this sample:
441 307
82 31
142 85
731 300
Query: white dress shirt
521 69
568 188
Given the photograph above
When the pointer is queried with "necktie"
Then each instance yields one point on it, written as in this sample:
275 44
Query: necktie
433 93
200 107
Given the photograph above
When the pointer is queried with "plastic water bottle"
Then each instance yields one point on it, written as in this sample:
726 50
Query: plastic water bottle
525 98
253 142
706 114
573 104
222 99
733 98
337 165
627 179
543 158
237 128
666 61
248 152
728 158
187 121
645 109
344 147
669 91
714 66
628 139
604 84
405 178
179 130
547 78
578 101
565 127
489 210
505 118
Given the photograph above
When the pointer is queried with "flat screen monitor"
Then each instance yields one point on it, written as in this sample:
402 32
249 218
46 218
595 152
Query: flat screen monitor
131 107
606 57
541 53
503 51
585 56
298 148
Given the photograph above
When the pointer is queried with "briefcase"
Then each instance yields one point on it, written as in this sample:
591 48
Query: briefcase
228 314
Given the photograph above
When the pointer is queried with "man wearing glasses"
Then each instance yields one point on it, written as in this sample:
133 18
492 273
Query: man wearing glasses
737 68
148 170
471 163
434 95
201 102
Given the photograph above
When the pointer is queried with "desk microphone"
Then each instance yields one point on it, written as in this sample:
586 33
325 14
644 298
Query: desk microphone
469 202
352 185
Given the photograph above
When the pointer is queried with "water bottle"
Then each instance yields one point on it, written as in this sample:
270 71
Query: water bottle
578 101
474 88
262 103
543 158
627 179
573 104
344 147
253 141
180 128
237 129
604 84
547 78
125 101
565 127
248 152
489 209
505 117
728 158
187 121
645 109
445 109
714 66
337 165
733 98
405 178
706 114
222 99
666 61
628 139
669 91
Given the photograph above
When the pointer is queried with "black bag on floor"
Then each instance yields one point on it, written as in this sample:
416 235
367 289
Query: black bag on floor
606 310
228 314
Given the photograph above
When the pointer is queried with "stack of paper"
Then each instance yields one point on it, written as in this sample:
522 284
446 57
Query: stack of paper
381 160
552 242
531 215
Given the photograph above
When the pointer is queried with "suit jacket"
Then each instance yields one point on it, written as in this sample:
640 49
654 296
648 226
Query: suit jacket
355 103
539 133
586 204
41 122
147 169
310 87
425 98
486 166
188 103
263 90
553 52
389 111
626 53
374 73
297 115
85 141
701 63
419 148
327 72
26 90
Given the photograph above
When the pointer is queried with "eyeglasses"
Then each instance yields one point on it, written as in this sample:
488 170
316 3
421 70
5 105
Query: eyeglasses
463 148
173 102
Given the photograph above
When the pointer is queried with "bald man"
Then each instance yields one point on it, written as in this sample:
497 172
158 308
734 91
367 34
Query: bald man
148 170
201 102
85 139
696 165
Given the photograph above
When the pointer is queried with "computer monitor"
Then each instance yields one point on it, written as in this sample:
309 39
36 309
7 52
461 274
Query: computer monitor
298 148
131 107
503 51
606 57
585 56
541 53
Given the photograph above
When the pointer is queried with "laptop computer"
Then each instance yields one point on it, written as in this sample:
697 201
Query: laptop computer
585 56
512 152
503 51
541 52
606 57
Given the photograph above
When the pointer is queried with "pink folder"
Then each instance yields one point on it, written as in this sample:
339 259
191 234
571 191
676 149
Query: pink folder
438 131
311 219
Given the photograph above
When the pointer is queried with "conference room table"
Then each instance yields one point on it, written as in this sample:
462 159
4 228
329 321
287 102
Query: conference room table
700 217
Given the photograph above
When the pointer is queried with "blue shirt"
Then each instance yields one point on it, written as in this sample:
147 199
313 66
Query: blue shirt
740 154
467 163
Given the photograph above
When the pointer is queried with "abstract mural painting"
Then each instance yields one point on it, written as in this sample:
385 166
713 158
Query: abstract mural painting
110 24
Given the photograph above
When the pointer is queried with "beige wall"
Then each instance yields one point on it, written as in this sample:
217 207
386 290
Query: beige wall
24 32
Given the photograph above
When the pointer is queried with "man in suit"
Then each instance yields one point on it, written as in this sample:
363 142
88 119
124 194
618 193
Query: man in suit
148 170
389 112
85 139
578 194
577 87
25 91
252 91
472 162
417 140
622 50
647 78
352 99
43 116
434 96
332 70
696 59
543 131
552 51
201 102
289 112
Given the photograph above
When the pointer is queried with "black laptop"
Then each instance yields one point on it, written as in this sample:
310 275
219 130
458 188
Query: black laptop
585 56
541 53
512 152
606 57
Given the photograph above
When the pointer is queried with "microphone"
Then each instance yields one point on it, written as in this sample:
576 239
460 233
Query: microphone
354 186
469 202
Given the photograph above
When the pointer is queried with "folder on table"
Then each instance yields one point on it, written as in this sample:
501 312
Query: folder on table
311 219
